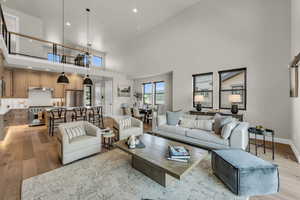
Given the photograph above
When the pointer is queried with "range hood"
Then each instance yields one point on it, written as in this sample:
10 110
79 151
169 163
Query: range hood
40 89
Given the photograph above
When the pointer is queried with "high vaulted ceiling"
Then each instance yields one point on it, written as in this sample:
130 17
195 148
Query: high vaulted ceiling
112 21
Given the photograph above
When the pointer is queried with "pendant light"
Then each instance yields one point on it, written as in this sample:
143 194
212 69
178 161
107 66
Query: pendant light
87 80
62 78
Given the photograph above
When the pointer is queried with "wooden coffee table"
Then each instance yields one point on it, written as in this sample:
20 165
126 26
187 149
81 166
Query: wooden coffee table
152 160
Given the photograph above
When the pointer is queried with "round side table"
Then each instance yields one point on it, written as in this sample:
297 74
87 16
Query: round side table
108 139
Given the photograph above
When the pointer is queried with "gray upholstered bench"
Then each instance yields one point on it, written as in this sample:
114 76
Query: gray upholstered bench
245 174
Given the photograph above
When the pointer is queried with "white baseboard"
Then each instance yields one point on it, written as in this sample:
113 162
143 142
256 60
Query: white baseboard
296 152
268 138
282 141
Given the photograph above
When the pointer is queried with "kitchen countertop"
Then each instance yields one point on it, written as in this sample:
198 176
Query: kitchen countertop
3 111
67 108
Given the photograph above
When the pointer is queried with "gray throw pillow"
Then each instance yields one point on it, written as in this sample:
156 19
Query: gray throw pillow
227 129
173 117
221 121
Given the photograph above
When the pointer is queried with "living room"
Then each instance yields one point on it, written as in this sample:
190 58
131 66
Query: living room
161 84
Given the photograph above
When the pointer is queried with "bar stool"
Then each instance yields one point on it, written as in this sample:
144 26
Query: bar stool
96 116
79 114
57 116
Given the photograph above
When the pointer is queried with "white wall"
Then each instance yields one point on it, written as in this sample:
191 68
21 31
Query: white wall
216 35
295 44
28 25
167 78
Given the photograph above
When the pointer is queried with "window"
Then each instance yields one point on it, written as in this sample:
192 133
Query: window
203 85
97 61
147 93
53 57
233 82
159 93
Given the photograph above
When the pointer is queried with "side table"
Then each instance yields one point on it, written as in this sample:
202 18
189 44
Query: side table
108 137
264 133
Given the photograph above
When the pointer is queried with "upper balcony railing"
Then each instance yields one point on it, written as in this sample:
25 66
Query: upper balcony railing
24 45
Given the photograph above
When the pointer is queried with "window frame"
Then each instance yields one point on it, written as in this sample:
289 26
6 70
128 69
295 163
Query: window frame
210 91
154 83
233 90
150 83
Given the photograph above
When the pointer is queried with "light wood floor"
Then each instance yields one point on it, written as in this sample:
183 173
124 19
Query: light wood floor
28 152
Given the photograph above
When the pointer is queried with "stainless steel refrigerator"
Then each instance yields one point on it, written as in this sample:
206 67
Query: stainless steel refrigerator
74 98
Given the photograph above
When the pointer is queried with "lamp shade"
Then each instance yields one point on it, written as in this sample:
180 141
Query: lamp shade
87 80
199 98
62 79
235 98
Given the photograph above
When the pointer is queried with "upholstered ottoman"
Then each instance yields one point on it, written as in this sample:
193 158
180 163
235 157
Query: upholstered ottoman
245 174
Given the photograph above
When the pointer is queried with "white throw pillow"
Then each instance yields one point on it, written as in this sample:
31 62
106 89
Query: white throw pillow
227 129
204 124
125 123
75 132
187 123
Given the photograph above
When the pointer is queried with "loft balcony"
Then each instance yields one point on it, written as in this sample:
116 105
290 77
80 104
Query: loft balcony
23 51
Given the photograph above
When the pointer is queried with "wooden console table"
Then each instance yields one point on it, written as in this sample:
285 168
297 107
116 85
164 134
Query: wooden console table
240 117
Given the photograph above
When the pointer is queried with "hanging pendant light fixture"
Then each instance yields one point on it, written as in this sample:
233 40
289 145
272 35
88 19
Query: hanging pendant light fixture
87 80
62 78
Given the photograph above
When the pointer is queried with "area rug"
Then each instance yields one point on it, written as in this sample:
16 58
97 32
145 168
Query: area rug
109 176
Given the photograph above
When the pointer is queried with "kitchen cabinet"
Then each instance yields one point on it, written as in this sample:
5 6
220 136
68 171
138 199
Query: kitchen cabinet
20 88
34 78
7 77
47 80
59 91
75 82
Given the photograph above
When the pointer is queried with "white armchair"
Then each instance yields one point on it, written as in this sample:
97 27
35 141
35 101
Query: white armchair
128 126
78 140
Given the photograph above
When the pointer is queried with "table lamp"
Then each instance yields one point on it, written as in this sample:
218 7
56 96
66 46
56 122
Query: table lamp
198 100
234 99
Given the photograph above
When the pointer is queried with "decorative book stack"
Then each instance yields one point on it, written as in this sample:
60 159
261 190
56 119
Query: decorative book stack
179 153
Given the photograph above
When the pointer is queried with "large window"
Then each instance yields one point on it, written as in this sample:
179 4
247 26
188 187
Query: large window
233 82
147 93
203 86
97 61
53 57
159 93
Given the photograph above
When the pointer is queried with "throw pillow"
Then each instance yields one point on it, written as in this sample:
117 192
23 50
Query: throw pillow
125 123
227 129
173 117
203 124
187 123
75 132
221 121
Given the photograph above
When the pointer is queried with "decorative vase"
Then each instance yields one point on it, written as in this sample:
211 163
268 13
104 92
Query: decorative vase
131 142
199 107
234 109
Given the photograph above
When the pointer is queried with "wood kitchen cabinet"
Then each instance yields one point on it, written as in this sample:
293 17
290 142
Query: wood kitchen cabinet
34 78
47 80
75 82
20 88
7 77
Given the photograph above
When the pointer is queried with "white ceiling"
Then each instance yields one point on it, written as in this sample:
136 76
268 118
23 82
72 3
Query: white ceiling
112 21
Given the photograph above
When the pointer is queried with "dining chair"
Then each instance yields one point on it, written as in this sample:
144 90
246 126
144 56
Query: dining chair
57 117
96 116
79 114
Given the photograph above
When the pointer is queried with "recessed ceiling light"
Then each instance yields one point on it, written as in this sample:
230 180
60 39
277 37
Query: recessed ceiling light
68 23
135 10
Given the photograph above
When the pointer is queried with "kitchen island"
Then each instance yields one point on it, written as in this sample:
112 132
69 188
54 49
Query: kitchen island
12 117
